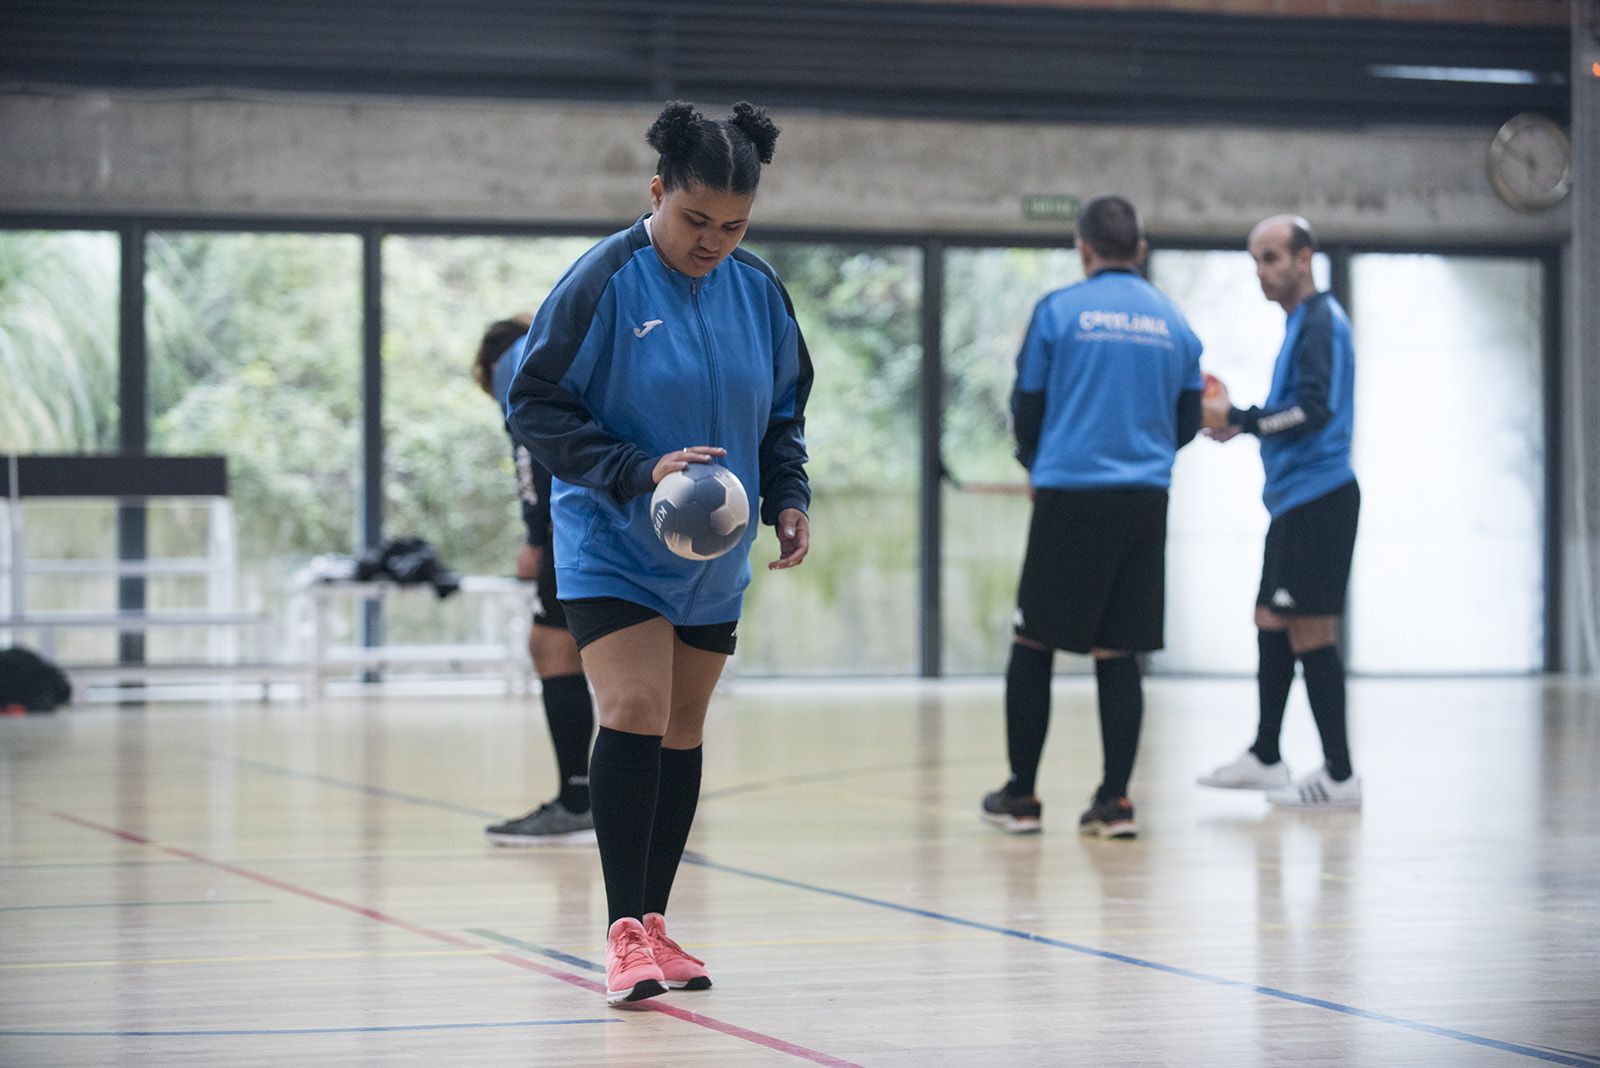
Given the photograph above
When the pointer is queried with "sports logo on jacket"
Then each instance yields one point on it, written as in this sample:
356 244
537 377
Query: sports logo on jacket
649 325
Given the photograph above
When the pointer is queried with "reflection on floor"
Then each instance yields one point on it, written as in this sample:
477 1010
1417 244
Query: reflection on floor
245 883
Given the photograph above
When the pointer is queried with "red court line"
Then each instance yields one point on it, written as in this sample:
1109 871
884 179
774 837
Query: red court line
708 1022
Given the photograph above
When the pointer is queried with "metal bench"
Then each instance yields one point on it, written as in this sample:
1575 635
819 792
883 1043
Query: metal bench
132 484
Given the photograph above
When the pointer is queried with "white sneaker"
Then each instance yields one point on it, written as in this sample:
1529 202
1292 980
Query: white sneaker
1248 773
1318 790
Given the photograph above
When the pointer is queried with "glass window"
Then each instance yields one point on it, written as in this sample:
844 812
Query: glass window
1216 523
59 366
852 608
58 341
1449 447
989 298
448 473
255 354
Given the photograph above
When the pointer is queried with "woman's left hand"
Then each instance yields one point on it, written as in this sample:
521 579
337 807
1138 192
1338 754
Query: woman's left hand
794 539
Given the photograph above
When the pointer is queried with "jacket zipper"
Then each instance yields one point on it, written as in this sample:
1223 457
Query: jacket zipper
711 370
711 360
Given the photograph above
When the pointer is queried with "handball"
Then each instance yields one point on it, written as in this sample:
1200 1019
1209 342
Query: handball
701 512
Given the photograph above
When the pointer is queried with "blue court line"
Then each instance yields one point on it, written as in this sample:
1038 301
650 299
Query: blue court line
298 1030
543 951
1545 1054
135 904
811 780
375 791
1583 1058
1170 969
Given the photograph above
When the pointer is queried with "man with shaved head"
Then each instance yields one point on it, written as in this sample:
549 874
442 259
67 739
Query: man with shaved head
1312 495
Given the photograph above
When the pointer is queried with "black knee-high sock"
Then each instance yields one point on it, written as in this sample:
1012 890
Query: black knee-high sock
676 800
569 711
1121 712
1274 676
623 776
1324 671
1027 712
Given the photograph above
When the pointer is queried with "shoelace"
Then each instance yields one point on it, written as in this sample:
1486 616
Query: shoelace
633 944
672 949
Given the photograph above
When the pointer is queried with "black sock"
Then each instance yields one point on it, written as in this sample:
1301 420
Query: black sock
623 777
1027 713
1121 712
569 711
676 800
1324 671
1274 676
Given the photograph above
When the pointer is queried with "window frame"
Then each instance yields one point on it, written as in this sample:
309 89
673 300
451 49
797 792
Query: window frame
133 229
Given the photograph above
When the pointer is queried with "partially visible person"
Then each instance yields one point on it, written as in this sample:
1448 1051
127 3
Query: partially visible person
665 345
1314 500
568 709
1108 389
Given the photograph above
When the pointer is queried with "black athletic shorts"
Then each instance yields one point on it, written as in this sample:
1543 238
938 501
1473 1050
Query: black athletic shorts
1306 566
594 617
547 612
1096 571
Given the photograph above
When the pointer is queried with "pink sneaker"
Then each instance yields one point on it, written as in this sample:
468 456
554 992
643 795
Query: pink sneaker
631 970
681 971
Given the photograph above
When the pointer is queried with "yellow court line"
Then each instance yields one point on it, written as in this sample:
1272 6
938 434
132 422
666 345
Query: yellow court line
354 955
977 936
862 940
1101 933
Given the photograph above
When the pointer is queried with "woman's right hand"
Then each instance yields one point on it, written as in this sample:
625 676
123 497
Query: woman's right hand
682 458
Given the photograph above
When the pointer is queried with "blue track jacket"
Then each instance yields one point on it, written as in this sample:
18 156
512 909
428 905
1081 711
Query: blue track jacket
1101 386
627 360
1306 425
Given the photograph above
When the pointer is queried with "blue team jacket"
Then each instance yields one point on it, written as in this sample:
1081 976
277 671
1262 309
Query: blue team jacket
628 359
1306 425
1098 382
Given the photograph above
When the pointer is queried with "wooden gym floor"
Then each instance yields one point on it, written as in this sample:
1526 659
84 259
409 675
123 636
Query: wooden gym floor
242 883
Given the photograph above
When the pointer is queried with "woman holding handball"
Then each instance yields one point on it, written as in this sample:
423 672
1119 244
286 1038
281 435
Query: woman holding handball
662 336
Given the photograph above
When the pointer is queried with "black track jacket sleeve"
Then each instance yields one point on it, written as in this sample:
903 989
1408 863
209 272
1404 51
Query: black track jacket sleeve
550 422
533 488
1306 410
1189 417
1027 422
784 483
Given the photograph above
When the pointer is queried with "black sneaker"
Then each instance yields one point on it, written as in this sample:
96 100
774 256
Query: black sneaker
550 822
1108 819
1012 813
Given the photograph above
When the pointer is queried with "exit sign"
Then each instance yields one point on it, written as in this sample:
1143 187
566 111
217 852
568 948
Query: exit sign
1050 207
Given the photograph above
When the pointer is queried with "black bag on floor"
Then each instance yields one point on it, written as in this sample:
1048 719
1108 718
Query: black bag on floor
30 682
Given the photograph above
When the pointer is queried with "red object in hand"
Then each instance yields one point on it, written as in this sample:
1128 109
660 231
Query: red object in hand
1213 386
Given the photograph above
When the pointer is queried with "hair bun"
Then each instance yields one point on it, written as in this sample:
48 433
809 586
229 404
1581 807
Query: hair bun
673 132
752 121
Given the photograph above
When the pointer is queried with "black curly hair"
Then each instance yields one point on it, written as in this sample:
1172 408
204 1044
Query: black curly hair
716 153
496 339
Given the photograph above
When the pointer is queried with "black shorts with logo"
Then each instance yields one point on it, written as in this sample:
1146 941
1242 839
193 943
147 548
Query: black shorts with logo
548 611
1096 571
590 618
1306 567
